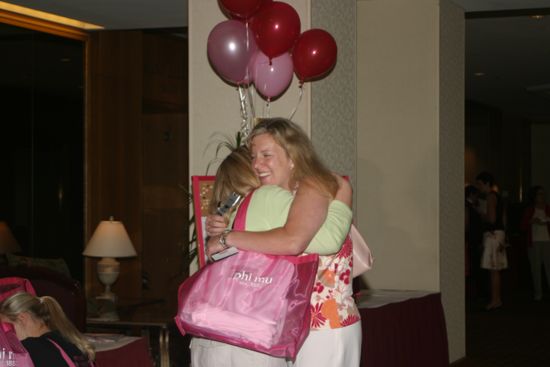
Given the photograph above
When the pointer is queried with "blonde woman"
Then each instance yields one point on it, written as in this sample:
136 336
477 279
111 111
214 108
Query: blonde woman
44 330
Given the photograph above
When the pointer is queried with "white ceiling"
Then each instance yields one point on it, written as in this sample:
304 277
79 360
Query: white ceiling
497 5
513 52
117 14
138 14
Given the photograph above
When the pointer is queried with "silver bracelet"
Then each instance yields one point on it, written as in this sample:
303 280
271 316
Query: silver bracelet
223 238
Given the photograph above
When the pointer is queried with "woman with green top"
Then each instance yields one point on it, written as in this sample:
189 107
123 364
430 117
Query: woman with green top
282 155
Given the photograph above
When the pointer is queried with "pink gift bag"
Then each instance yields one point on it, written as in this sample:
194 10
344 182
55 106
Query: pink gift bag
12 285
362 256
251 300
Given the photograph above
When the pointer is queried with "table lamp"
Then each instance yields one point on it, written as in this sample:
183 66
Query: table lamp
109 241
8 243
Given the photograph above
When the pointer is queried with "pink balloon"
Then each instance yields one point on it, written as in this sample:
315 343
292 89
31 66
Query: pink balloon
272 78
230 50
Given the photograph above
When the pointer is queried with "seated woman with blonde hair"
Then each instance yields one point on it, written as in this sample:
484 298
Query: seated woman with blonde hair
45 332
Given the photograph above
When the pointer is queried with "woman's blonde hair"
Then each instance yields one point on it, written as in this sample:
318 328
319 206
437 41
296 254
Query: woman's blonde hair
235 174
47 310
299 149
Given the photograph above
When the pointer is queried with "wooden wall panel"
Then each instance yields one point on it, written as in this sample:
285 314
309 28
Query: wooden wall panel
165 205
165 167
137 159
165 74
113 147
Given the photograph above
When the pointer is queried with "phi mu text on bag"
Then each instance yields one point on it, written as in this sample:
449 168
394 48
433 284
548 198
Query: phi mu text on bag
251 300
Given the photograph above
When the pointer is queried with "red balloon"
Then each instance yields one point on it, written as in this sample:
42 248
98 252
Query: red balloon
253 21
314 54
277 27
241 9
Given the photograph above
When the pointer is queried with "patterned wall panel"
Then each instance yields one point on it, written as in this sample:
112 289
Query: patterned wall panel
451 174
333 99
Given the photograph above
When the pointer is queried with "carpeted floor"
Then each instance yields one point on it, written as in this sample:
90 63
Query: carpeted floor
516 335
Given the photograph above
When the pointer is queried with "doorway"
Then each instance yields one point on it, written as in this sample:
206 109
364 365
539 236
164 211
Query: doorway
41 143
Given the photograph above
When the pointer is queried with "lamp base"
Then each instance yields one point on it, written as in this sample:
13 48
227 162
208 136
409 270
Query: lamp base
106 308
107 272
108 296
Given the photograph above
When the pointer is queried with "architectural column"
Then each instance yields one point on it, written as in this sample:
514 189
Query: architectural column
410 161
333 98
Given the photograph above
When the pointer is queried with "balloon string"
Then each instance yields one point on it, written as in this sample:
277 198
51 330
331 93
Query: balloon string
300 94
268 106
242 102
251 103
263 110
244 114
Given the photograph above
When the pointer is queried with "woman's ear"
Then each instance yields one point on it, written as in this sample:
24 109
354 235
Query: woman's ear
23 318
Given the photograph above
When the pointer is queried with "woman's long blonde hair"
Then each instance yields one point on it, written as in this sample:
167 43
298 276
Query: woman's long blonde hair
235 174
47 310
298 147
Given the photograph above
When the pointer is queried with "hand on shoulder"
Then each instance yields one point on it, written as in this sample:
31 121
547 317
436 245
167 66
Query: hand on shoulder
345 191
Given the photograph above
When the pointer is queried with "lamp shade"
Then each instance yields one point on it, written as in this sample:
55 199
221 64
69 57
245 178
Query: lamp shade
8 243
110 239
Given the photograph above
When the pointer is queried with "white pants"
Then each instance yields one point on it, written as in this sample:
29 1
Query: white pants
209 353
539 253
331 348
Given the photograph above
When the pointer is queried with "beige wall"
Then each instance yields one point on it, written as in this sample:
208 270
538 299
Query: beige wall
213 104
410 149
397 131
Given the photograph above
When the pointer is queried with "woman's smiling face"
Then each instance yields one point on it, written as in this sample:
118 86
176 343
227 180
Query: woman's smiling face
271 162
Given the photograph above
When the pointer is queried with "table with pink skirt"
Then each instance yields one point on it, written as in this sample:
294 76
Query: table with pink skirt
402 328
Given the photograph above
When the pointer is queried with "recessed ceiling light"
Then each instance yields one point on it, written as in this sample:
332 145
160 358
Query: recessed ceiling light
536 17
65 59
479 73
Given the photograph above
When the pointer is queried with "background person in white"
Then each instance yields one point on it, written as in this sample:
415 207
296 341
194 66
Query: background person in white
536 224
